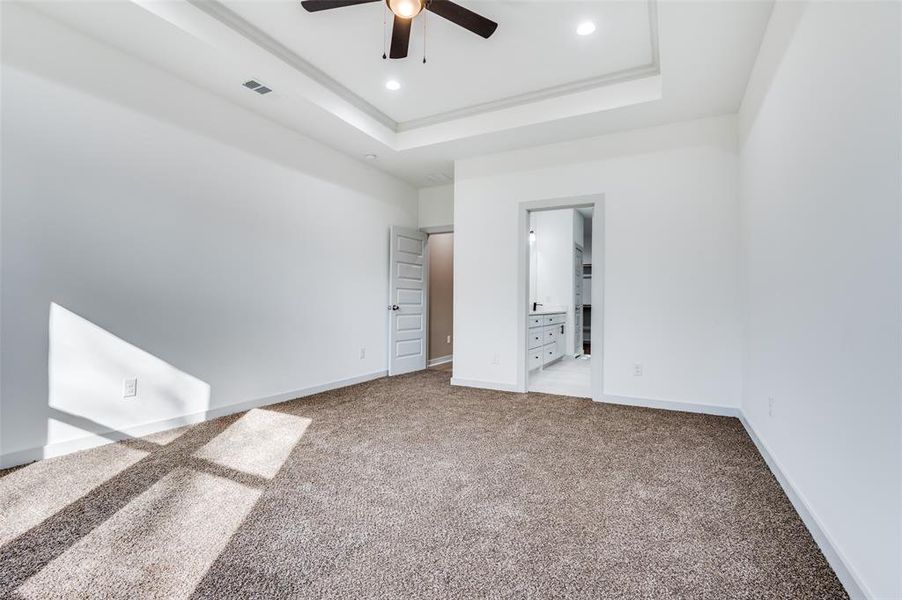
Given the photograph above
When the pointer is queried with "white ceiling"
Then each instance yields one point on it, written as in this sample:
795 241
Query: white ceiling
533 49
328 75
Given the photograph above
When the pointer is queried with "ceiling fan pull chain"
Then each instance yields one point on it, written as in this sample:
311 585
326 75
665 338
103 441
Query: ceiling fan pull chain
384 56
425 20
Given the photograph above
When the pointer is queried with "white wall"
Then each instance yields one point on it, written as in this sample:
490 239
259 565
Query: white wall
820 197
222 258
436 207
672 223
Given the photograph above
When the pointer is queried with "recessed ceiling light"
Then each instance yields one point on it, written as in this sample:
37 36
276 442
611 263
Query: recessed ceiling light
392 85
586 28
370 156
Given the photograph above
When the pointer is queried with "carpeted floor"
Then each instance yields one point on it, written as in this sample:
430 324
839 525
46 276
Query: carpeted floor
411 488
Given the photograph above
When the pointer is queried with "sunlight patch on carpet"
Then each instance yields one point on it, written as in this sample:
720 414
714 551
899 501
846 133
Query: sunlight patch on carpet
265 439
33 493
159 545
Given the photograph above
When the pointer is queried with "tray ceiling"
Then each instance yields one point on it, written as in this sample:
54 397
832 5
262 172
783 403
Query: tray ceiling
542 87
534 54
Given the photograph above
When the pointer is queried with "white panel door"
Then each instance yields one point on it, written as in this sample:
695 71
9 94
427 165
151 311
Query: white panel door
407 297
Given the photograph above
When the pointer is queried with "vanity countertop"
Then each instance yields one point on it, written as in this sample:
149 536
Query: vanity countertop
546 312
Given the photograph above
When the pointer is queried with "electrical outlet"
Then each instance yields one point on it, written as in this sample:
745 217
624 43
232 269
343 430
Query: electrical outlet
129 388
637 370
362 352
770 407
448 340
496 360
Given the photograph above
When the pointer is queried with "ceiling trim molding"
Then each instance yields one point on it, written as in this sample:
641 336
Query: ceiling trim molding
227 17
565 89
647 70
256 35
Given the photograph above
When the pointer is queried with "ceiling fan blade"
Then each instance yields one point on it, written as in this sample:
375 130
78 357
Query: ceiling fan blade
459 15
400 38
318 5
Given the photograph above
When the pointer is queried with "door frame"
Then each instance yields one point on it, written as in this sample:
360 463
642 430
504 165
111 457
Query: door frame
596 202
426 274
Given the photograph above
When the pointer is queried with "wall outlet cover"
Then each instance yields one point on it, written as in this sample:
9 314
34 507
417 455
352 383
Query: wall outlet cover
129 388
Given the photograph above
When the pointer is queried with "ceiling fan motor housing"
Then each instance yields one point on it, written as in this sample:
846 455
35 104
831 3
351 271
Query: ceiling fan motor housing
405 10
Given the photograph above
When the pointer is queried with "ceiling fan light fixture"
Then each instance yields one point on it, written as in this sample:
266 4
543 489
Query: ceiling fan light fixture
406 9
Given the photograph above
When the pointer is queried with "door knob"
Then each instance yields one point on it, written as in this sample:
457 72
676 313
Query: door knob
394 307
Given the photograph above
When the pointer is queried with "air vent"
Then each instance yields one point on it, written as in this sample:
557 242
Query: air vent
257 87
439 178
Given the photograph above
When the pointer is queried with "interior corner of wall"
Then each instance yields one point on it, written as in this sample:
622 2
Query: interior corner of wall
781 27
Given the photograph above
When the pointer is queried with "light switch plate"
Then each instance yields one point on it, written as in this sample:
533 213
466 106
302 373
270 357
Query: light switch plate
129 388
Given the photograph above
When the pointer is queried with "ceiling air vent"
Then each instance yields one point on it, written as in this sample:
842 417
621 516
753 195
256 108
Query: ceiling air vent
257 87
439 178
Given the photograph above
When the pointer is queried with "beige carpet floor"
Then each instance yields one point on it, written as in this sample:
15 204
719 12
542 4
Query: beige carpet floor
411 488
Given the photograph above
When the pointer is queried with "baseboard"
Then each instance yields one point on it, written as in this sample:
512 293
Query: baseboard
705 409
488 385
28 455
293 395
93 440
441 360
846 574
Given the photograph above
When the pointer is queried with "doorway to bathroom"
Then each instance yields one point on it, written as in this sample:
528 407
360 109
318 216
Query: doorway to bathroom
563 243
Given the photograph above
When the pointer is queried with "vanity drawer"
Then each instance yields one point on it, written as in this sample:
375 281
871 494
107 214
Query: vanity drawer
550 352
555 319
553 332
535 321
536 358
535 338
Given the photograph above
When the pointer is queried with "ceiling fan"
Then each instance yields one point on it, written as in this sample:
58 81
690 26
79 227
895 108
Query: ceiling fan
405 10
